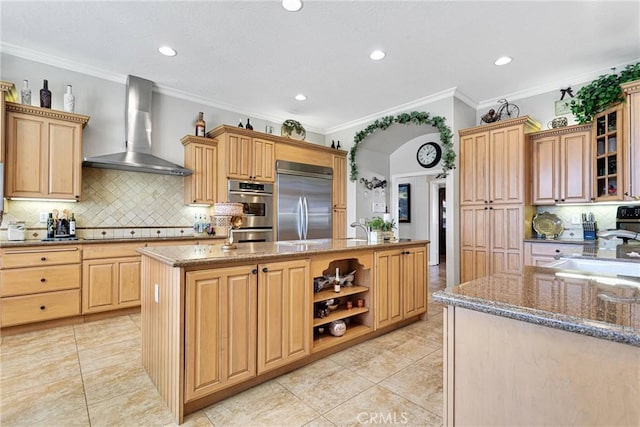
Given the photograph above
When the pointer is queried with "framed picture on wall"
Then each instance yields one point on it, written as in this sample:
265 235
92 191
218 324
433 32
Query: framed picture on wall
404 202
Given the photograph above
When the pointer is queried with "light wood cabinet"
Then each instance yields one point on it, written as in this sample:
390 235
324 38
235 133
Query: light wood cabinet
4 88
39 284
495 215
632 141
339 181
401 285
562 165
608 155
44 153
539 254
249 157
201 156
220 335
491 240
339 223
339 217
110 277
284 305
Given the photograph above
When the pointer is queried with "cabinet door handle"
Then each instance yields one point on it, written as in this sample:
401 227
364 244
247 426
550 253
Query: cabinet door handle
42 307
626 193
43 258
557 251
562 200
491 208
43 280
265 269
254 271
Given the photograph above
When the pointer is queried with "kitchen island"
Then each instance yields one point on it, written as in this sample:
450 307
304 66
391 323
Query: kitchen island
216 322
545 347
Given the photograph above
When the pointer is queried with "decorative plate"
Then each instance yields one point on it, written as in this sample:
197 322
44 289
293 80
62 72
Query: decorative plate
548 225
293 129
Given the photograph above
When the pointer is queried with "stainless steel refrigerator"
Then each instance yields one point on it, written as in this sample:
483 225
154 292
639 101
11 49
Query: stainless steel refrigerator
303 203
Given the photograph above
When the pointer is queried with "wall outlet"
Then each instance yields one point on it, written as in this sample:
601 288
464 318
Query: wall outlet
575 219
43 217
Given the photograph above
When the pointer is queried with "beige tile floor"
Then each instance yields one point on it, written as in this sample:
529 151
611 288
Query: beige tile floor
91 375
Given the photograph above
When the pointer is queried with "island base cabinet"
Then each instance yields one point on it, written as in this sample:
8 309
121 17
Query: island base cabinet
220 329
284 313
500 371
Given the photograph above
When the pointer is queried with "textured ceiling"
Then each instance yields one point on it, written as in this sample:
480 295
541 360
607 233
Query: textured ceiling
253 56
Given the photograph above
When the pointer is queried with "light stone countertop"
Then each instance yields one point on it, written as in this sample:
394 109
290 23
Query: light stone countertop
142 240
198 255
541 297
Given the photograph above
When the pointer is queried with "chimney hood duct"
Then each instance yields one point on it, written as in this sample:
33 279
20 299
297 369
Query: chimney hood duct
137 124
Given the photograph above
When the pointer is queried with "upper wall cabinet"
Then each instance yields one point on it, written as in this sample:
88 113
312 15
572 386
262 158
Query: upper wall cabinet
561 165
44 153
201 156
608 154
246 154
632 140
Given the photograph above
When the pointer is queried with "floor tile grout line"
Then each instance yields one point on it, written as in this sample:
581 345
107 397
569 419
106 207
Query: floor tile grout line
84 389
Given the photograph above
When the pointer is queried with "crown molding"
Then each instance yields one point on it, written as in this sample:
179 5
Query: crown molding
55 61
550 87
47 112
447 93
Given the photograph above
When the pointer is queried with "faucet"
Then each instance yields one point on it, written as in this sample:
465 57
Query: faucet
624 234
363 227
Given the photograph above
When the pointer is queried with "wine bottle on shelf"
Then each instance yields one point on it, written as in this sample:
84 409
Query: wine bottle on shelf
51 226
249 125
240 125
69 101
72 226
333 144
45 95
26 93
338 146
200 125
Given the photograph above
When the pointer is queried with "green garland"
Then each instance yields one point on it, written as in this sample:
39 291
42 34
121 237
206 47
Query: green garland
416 118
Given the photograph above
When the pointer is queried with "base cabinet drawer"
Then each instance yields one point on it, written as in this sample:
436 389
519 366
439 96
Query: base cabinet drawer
26 281
40 307
14 258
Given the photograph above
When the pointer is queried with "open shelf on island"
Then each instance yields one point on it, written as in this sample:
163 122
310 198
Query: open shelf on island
340 314
326 340
344 291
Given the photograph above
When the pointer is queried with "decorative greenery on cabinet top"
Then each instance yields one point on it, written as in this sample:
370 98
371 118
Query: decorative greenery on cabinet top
602 93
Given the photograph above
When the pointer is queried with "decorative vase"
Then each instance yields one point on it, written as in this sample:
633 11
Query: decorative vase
337 328
26 93
69 101
45 95
249 125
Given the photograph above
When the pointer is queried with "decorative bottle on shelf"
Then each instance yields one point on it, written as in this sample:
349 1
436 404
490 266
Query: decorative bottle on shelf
26 93
51 226
249 125
45 95
336 282
333 144
338 146
69 101
200 125
240 125
72 226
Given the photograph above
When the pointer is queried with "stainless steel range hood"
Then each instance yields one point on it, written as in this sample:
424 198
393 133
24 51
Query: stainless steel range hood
137 157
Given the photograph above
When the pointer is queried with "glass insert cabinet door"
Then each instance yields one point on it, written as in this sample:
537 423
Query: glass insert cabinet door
607 140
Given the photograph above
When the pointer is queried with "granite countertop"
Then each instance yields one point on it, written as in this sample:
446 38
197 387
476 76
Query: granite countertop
561 241
576 304
189 256
142 240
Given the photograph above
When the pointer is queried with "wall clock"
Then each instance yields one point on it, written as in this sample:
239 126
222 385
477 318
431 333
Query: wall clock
429 154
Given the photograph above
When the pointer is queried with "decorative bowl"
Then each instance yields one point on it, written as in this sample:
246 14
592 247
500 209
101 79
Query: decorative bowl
293 129
548 225
337 328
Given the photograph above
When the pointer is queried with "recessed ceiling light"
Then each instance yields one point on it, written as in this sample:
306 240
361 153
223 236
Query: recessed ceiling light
503 60
167 51
292 5
301 97
377 55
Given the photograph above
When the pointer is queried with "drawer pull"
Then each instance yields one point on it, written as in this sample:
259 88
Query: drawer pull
42 307
43 280
254 271
265 269
44 258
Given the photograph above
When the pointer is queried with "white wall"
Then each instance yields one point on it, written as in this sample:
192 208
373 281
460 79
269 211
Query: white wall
418 228
104 99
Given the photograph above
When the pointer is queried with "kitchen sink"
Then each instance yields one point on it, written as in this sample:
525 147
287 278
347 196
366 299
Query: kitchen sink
608 268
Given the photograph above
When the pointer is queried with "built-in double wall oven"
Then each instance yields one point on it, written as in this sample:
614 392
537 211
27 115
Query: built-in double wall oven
257 202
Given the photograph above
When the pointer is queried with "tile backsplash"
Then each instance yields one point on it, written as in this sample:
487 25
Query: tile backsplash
117 200
605 217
